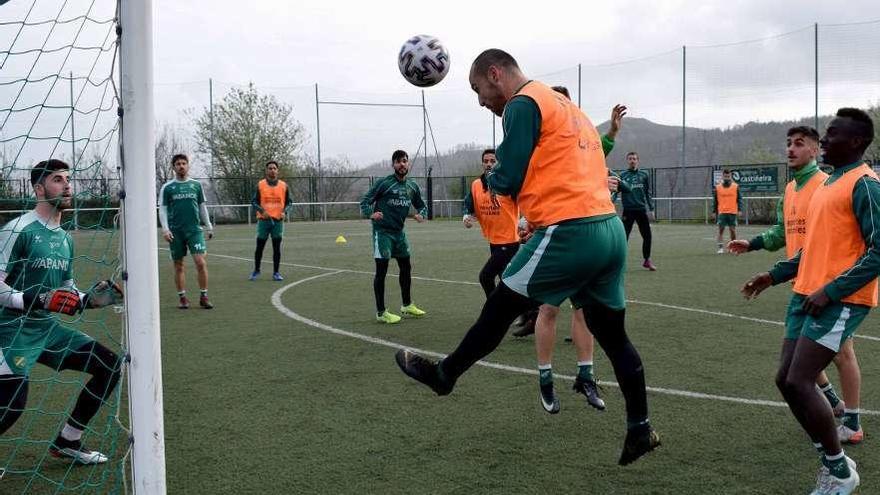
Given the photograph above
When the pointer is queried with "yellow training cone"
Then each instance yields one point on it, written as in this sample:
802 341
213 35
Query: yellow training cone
340 240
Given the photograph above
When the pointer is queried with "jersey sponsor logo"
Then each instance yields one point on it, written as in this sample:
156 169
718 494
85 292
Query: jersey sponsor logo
50 263
399 202
184 195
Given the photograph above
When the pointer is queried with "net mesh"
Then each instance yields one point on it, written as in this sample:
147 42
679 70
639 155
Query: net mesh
58 99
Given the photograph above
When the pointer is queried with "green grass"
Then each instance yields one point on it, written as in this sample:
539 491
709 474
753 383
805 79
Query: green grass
256 402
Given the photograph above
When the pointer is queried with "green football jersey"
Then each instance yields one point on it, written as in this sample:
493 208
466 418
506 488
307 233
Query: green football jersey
393 198
35 256
182 199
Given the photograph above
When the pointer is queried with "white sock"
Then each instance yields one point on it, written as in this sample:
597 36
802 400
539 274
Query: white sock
850 411
585 363
71 433
835 457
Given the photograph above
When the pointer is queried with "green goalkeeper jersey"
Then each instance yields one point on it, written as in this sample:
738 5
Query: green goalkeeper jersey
393 198
182 199
36 256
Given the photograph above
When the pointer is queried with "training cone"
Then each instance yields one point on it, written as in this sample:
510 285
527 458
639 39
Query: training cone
341 240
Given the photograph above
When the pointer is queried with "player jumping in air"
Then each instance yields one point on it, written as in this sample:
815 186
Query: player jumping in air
387 204
545 325
182 208
835 287
36 280
551 159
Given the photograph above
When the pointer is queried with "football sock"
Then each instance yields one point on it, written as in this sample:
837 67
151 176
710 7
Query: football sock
405 268
276 254
545 374
830 394
258 254
181 293
851 419
13 398
585 370
609 330
819 448
104 366
379 284
837 465
71 433
498 312
204 292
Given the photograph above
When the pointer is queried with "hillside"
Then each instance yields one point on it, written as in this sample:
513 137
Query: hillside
659 146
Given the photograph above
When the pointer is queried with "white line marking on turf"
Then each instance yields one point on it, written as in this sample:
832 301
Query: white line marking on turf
276 301
634 301
727 315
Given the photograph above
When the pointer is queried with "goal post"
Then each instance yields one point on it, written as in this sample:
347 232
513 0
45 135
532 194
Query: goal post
140 264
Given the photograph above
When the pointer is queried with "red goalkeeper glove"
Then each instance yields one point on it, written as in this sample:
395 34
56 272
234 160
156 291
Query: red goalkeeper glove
57 301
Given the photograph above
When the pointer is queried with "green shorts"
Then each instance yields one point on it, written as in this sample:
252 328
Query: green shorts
193 240
726 220
265 228
836 323
387 245
26 341
583 260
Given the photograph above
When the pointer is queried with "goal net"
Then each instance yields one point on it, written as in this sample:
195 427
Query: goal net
59 99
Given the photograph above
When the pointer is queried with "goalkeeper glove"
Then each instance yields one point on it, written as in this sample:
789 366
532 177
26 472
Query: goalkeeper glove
57 301
103 293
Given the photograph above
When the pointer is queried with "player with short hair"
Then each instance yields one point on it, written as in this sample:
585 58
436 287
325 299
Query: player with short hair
551 159
182 208
545 324
498 217
638 204
790 231
271 202
834 290
387 204
727 206
36 280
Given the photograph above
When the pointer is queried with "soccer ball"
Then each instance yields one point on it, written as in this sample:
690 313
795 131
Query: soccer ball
423 60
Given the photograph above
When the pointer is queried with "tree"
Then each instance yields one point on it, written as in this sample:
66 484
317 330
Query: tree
247 130
169 142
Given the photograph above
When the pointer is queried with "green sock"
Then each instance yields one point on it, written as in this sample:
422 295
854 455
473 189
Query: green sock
837 465
819 448
830 394
545 374
851 419
585 370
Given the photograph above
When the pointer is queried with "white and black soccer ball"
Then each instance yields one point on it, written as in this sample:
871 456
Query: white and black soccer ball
423 60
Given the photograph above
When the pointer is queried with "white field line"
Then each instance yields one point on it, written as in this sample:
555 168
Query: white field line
276 301
462 282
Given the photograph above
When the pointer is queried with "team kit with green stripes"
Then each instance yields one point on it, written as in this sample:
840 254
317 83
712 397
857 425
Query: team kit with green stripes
36 284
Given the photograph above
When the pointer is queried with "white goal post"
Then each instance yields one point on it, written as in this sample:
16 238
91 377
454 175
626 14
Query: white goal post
140 265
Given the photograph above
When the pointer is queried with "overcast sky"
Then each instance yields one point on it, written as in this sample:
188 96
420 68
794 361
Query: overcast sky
349 49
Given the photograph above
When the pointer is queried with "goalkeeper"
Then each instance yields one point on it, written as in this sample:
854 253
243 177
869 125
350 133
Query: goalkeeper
36 280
